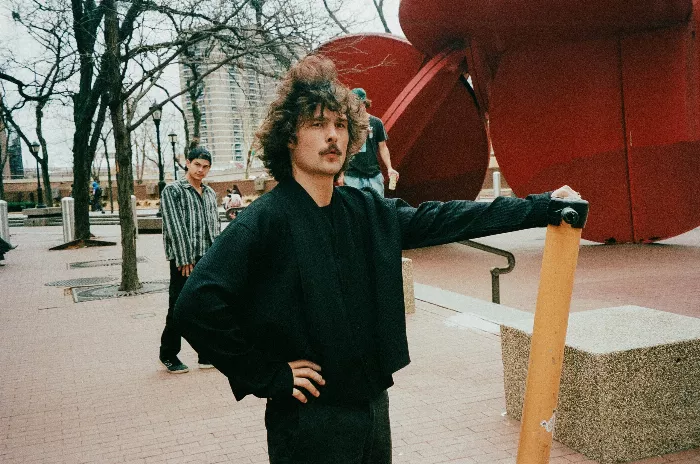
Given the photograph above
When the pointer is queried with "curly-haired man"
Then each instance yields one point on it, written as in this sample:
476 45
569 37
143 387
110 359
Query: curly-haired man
301 301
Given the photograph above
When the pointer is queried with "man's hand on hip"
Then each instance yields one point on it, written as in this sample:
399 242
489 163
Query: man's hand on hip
304 372
186 269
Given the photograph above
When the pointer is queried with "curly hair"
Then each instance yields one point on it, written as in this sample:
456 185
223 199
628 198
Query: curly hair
311 82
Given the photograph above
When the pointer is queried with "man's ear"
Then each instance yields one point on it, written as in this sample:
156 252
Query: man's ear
292 143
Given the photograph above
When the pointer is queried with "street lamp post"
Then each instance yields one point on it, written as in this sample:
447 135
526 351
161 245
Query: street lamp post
39 194
173 140
157 113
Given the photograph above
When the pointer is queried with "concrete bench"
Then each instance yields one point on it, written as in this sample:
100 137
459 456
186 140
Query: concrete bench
150 225
630 385
41 216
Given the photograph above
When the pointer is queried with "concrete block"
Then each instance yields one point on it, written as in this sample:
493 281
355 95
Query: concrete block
42 212
409 298
150 225
42 216
630 385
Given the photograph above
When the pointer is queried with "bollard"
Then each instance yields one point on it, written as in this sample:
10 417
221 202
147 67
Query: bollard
4 222
136 216
68 216
549 331
496 184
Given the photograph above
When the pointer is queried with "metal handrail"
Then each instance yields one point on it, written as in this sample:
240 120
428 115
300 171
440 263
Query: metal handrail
496 271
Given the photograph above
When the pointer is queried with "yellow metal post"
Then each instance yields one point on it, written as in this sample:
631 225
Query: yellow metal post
549 331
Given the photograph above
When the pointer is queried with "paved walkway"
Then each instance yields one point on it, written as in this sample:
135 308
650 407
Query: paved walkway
80 382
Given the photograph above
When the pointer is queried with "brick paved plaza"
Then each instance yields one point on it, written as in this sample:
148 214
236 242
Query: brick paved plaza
81 382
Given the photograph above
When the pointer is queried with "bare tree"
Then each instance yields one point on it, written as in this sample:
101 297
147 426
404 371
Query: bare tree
51 71
104 137
4 153
123 46
134 57
379 6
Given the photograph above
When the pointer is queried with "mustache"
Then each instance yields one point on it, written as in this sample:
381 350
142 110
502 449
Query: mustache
332 148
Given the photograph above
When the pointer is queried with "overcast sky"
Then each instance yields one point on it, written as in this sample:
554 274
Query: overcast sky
58 125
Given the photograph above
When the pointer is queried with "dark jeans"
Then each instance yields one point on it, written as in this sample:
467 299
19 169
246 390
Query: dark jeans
171 340
316 433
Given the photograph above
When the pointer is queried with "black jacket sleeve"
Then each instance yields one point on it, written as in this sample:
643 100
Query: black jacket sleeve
208 314
437 223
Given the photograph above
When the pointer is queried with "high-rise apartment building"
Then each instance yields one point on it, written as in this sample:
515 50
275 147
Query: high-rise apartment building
232 101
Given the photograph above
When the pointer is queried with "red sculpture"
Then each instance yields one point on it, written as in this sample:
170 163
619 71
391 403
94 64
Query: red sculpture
603 96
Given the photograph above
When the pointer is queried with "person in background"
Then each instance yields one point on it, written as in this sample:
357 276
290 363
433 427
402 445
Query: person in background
190 226
363 170
234 198
97 197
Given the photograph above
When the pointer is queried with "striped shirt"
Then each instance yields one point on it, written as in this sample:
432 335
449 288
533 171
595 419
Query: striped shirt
190 221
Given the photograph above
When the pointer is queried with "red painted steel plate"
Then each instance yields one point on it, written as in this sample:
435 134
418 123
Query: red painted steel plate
661 95
436 134
501 24
557 117
382 64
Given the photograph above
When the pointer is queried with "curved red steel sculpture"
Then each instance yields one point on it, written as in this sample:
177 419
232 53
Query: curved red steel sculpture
602 96
420 102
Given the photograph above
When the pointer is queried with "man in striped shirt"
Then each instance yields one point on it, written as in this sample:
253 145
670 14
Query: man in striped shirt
190 225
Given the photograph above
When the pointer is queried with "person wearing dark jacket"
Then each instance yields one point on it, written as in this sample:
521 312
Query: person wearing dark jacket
301 301
4 248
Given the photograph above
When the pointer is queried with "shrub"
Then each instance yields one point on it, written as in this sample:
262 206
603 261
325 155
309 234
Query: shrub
18 206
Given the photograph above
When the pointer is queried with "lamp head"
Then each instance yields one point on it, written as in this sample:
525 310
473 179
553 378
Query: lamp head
157 113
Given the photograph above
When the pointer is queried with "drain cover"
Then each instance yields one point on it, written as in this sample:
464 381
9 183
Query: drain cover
104 292
83 282
104 262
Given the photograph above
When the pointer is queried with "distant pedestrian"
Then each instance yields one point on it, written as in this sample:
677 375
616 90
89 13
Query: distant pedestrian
190 225
234 199
363 169
97 197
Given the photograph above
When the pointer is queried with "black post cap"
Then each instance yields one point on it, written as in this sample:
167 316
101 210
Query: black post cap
573 212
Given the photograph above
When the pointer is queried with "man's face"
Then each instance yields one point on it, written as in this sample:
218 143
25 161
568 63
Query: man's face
321 145
198 168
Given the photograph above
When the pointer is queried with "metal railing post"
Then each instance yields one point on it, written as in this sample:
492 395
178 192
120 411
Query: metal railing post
496 271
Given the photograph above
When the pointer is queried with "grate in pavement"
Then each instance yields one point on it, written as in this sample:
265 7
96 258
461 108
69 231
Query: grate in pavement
104 262
104 292
82 282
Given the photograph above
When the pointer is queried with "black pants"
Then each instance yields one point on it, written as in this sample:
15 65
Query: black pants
171 340
316 433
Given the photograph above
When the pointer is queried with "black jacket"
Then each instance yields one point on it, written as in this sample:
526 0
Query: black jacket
282 283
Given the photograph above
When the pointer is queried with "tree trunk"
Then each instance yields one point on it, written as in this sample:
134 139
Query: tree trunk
46 179
109 179
122 144
81 180
125 181
44 160
2 168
